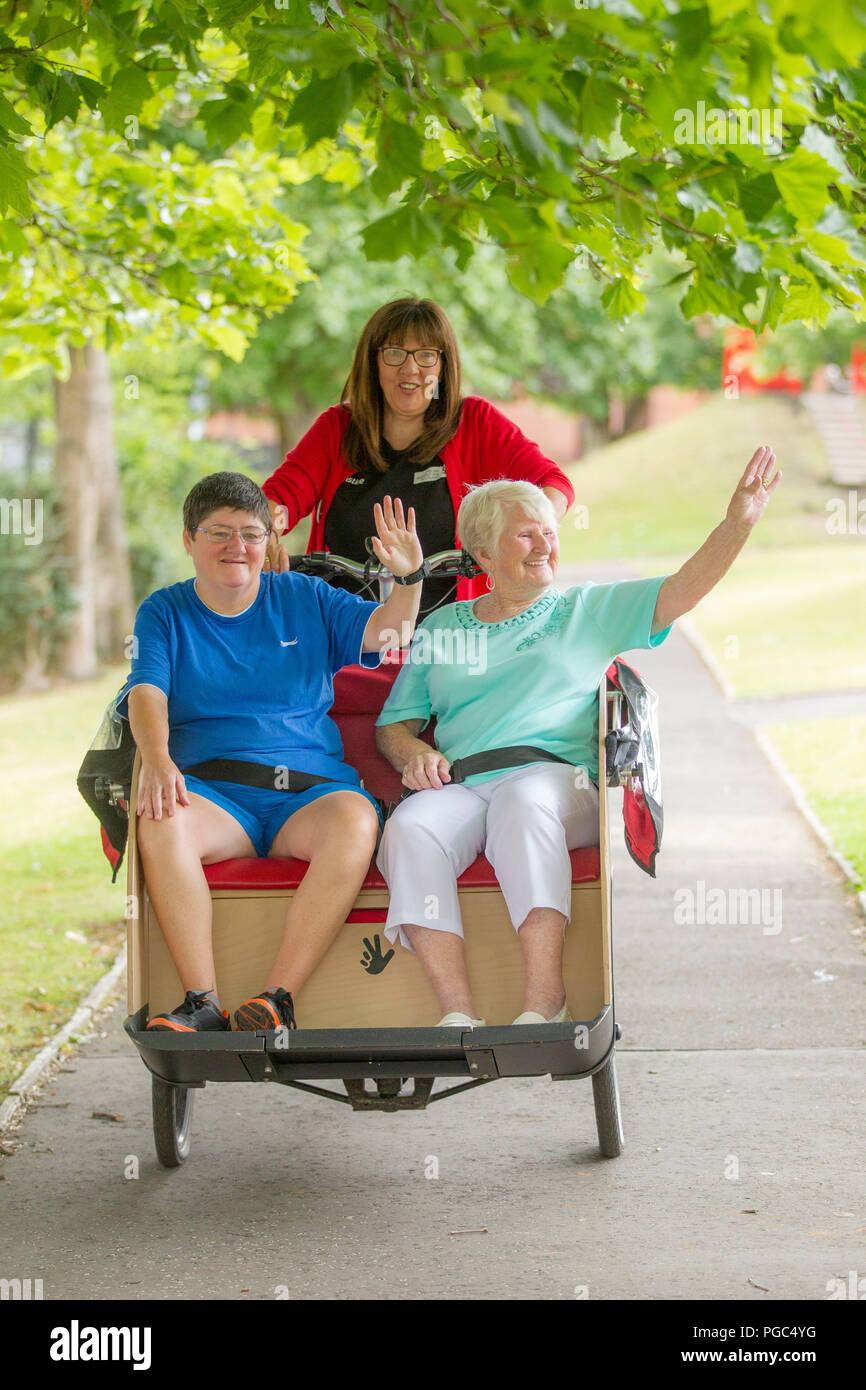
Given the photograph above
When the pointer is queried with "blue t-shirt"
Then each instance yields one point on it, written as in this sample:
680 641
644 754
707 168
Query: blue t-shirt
257 686
531 679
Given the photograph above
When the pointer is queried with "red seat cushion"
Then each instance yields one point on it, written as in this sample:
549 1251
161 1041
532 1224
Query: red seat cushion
287 873
358 698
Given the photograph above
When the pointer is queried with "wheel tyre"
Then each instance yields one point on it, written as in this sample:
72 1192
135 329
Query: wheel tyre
172 1122
608 1118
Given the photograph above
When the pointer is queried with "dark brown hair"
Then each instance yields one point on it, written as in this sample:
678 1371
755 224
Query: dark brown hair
393 323
233 490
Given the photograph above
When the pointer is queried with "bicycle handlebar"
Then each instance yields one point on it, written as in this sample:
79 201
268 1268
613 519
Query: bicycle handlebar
446 564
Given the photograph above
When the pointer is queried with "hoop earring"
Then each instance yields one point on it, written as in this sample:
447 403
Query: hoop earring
491 583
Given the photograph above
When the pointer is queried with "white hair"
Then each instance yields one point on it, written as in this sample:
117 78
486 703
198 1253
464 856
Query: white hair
482 515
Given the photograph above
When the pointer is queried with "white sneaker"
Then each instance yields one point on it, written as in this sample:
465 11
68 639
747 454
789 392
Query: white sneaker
529 1017
457 1020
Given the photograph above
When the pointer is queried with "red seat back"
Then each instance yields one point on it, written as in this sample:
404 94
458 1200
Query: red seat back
359 695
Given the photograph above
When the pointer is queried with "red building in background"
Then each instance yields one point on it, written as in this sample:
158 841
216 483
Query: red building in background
737 361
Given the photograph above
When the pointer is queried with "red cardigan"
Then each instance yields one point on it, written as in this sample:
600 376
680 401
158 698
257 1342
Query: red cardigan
486 445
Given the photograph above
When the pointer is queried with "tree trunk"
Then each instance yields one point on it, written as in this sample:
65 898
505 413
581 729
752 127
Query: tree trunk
594 434
635 414
95 541
31 446
115 605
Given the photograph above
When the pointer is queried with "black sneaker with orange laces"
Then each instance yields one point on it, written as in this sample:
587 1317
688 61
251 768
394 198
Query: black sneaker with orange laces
197 1014
271 1009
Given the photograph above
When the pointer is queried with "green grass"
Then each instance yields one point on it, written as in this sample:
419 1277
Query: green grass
789 616
661 491
55 878
827 757
787 621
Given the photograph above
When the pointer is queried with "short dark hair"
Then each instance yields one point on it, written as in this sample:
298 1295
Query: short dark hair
234 490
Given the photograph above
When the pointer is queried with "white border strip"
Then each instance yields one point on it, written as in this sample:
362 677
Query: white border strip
19 1091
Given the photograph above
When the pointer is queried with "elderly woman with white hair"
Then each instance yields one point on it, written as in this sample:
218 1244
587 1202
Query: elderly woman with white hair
545 652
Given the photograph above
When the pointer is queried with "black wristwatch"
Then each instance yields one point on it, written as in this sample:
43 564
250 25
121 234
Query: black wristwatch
414 577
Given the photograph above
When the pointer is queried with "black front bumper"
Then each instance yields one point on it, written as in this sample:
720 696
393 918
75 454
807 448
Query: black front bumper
560 1050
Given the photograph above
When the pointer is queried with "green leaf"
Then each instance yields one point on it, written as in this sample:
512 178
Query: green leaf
539 269
228 12
14 239
14 174
690 28
803 181
621 299
130 89
497 104
707 296
64 101
773 303
398 156
757 196
456 112
599 108
822 143
322 106
629 214
805 304
178 280
11 121
759 63
93 92
554 121
465 250
406 232
527 137
226 120
227 338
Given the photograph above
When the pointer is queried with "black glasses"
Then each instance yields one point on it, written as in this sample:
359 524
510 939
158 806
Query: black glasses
250 535
425 357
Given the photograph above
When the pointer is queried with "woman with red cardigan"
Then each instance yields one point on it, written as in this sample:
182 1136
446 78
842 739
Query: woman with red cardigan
403 429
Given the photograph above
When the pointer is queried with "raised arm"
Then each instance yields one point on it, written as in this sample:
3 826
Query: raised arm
694 580
398 548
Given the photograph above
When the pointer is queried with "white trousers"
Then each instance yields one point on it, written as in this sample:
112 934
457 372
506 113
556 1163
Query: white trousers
524 820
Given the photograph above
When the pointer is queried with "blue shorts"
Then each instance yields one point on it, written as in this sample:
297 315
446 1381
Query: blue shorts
261 812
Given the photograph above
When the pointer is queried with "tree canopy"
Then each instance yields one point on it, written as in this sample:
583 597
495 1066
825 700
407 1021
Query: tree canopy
587 130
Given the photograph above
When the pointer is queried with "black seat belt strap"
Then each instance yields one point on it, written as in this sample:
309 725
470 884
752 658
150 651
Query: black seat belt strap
279 779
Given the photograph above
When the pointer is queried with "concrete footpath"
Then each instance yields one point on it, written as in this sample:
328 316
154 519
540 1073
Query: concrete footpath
741 1072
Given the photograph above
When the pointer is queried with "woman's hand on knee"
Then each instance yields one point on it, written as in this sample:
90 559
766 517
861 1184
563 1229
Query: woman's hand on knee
426 771
161 788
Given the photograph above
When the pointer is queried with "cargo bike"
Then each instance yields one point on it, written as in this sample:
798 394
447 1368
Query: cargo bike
362 1042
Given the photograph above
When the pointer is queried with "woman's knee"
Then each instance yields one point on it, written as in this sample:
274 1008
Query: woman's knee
348 817
176 829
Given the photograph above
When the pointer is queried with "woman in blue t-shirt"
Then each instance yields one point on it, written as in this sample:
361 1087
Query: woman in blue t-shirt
230 688
519 666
